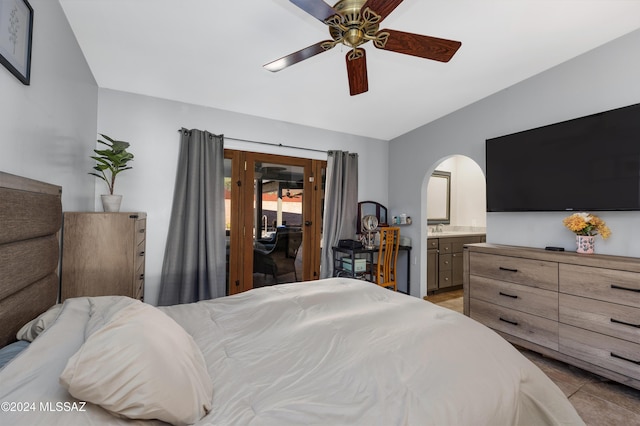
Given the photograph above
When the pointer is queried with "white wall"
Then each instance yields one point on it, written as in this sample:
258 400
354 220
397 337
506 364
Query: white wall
49 127
470 197
151 126
603 79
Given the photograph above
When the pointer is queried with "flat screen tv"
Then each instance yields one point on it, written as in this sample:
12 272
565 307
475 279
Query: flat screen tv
590 163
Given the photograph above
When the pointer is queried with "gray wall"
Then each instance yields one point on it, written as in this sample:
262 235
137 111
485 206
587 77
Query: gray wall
49 131
151 126
49 128
602 79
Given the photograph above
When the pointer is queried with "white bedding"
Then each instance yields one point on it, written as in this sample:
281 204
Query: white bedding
330 352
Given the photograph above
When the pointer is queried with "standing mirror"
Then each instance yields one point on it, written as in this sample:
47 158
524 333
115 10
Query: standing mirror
439 198
366 208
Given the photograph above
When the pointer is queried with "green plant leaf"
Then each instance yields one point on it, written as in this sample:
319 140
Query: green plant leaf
112 160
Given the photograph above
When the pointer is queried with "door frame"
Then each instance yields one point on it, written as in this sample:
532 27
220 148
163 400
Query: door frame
242 211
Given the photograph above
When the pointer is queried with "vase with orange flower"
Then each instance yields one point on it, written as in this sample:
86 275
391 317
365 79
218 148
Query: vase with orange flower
586 226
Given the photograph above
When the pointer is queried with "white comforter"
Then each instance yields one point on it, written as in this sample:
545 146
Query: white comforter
329 352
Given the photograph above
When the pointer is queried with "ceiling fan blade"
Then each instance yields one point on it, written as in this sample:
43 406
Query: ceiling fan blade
357 71
438 49
381 7
296 57
316 8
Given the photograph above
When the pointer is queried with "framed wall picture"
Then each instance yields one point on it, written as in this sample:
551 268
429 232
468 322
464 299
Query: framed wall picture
16 28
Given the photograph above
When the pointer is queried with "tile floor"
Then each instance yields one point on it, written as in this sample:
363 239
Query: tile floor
600 402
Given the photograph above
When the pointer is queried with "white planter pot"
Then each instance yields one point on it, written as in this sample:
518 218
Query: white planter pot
111 203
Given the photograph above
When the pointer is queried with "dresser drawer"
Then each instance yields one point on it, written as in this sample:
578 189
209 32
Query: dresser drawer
445 279
139 293
536 301
444 262
607 318
532 328
138 283
611 285
432 243
444 246
617 355
140 255
535 273
141 230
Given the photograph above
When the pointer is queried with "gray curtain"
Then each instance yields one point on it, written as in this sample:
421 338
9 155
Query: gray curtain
195 255
340 205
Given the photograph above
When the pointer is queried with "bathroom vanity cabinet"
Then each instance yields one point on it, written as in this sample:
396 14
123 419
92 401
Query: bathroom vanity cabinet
445 261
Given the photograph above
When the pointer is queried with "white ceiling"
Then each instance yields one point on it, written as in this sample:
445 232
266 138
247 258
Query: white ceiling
210 52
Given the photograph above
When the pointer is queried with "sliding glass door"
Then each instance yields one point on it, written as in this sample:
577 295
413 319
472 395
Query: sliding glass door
273 219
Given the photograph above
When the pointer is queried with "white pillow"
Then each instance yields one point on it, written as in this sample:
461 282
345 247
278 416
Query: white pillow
33 328
140 364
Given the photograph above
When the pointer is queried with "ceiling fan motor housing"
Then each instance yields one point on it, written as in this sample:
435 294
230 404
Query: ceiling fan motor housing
354 27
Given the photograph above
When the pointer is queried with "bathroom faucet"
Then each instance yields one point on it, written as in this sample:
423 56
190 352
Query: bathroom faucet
439 227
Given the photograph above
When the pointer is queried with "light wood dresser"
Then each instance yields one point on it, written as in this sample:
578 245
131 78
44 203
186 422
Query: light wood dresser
580 309
103 254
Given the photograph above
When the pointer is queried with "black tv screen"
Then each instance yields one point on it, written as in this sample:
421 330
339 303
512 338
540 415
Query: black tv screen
587 164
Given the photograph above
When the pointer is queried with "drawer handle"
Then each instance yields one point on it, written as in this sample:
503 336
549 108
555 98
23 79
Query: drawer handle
617 287
614 355
141 277
509 321
508 295
507 269
142 231
141 253
613 320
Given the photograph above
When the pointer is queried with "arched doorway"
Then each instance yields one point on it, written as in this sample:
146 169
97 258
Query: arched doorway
465 212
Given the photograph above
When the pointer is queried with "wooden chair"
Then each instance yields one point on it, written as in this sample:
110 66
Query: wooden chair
385 269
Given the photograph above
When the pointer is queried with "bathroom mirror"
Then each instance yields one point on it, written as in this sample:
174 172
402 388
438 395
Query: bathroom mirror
439 198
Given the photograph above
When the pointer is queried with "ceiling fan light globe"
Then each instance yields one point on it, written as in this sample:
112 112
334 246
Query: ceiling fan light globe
354 37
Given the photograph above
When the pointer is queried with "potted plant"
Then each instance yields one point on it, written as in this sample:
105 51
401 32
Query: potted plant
110 162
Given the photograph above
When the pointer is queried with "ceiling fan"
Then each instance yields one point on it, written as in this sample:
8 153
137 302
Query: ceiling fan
355 22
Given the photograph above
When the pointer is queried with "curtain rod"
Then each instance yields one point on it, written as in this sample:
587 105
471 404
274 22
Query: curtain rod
270 143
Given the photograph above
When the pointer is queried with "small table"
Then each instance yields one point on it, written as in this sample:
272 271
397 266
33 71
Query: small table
340 252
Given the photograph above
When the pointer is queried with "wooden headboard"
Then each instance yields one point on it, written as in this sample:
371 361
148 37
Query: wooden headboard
30 219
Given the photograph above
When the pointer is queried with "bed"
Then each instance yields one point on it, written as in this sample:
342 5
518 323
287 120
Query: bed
330 352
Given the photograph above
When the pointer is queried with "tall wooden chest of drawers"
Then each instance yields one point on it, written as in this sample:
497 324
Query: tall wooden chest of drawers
103 254
581 309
